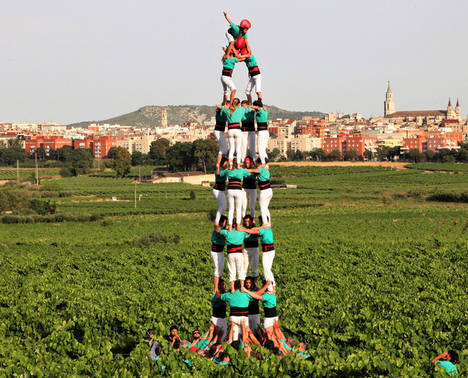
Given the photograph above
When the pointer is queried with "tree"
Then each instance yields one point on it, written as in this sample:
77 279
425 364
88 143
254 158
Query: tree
290 153
112 153
414 156
205 152
41 154
64 153
430 155
158 151
274 155
318 154
351 155
334 155
15 145
179 156
138 158
81 161
369 155
122 161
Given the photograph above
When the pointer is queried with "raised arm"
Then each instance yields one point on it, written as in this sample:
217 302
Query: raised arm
444 356
253 295
252 170
248 230
263 289
227 18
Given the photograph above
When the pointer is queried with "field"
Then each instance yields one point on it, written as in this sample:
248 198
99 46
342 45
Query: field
370 275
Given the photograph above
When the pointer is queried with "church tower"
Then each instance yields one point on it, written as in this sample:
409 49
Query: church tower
458 110
389 104
164 117
450 111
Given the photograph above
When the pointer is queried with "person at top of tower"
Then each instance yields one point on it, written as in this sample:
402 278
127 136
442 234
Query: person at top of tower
236 31
229 61
255 76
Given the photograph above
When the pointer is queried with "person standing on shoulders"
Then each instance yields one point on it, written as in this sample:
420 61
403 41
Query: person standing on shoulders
263 134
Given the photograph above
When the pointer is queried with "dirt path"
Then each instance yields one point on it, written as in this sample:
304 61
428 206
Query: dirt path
397 165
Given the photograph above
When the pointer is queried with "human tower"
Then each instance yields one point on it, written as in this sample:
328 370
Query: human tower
238 232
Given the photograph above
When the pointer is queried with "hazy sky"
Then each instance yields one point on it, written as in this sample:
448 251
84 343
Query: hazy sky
68 61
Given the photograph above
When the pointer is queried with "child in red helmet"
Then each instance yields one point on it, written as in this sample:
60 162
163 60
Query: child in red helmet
236 32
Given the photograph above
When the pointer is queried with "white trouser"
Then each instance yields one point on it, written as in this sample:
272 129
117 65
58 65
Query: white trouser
235 262
237 320
218 263
251 261
250 197
221 199
221 323
235 200
254 321
254 81
228 84
262 140
264 201
220 137
235 144
267 262
248 143
269 322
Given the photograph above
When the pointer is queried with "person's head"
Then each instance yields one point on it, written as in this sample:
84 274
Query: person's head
302 347
250 283
174 330
237 285
222 221
245 25
236 344
244 103
248 162
269 344
258 103
150 335
223 357
196 334
234 163
235 102
259 162
223 163
453 356
248 221
221 286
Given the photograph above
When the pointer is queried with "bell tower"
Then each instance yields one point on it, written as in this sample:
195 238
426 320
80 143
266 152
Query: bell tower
458 110
164 117
389 104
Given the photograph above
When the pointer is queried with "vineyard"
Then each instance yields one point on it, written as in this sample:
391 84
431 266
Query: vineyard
370 275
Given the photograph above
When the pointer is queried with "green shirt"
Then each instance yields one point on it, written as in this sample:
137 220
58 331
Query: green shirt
238 173
220 117
269 300
217 302
237 115
263 174
217 239
251 62
236 31
229 63
249 116
262 115
267 235
221 178
236 299
233 237
450 368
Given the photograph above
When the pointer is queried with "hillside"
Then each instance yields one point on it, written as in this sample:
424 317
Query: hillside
150 116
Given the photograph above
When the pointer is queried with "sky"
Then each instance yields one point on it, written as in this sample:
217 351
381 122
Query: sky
68 61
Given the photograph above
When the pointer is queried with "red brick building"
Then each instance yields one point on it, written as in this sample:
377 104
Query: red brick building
345 143
46 142
100 145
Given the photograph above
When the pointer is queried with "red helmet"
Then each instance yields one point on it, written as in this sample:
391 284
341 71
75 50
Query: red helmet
239 43
245 24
